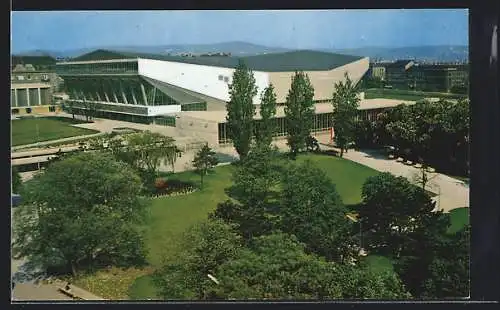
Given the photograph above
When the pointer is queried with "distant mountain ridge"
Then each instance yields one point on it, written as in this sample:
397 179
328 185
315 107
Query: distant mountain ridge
423 53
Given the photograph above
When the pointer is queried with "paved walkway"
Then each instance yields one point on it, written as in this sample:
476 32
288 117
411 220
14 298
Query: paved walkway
451 193
37 292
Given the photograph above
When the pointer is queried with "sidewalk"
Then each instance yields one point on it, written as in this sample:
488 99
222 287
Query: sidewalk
451 193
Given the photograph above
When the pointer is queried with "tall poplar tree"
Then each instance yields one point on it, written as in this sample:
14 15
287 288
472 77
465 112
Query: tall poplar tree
241 110
299 112
345 107
266 127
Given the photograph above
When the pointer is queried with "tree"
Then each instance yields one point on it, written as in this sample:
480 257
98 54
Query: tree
204 160
434 263
254 203
16 181
266 126
449 275
144 151
276 267
299 112
345 102
241 110
392 208
204 247
313 211
83 221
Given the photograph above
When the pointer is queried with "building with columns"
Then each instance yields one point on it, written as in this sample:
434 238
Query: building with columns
27 98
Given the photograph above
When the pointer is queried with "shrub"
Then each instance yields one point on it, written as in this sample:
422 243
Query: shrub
173 187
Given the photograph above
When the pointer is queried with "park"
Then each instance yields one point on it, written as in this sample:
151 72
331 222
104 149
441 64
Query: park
312 189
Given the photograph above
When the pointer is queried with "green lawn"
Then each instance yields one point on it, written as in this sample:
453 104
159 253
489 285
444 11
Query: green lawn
24 130
378 263
170 217
459 218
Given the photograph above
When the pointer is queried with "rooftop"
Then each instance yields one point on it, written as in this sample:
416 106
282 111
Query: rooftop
304 60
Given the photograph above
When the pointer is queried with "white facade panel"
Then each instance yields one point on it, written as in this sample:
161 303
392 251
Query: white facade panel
207 80
163 109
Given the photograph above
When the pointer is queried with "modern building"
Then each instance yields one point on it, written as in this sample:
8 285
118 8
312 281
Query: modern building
439 77
147 88
397 73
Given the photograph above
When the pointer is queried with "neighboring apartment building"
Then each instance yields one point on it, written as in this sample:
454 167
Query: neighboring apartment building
439 77
378 71
397 73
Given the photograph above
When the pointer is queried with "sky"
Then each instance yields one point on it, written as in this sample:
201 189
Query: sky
60 31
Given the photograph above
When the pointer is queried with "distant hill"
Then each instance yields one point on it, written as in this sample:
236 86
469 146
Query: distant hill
235 48
423 53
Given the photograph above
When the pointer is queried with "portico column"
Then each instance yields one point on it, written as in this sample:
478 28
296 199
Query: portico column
39 96
28 96
15 97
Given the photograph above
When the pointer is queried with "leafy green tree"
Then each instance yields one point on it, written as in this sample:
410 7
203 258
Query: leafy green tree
433 262
449 275
345 102
204 160
313 211
241 110
276 267
255 193
392 208
299 112
204 247
83 221
144 151
16 181
266 126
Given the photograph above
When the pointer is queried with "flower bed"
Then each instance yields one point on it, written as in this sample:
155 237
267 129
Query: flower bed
172 188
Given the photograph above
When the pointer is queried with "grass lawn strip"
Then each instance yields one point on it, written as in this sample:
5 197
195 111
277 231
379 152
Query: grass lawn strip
24 131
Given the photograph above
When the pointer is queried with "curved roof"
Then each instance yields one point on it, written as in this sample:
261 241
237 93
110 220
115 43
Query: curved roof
304 60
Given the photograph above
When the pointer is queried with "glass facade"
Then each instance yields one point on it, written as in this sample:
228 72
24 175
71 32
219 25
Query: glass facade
199 106
98 68
168 121
321 123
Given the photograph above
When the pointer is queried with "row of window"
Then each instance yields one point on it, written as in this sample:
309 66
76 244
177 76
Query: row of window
43 77
321 123
110 67
224 78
